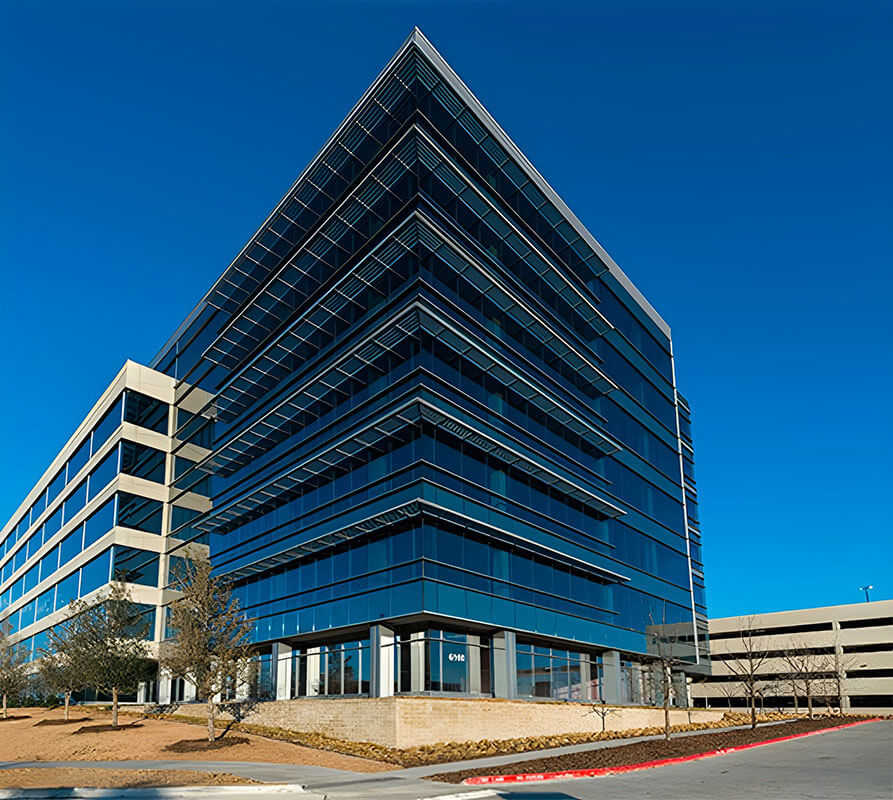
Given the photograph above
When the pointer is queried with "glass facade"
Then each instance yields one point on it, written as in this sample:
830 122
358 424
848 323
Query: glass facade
74 539
425 424
431 396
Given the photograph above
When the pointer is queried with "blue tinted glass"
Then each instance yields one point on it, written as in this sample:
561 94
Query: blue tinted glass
135 566
109 423
147 412
103 473
53 524
71 545
67 590
56 486
142 461
49 563
139 513
99 522
77 461
45 603
95 573
75 501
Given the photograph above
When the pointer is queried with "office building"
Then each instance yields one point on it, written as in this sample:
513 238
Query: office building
436 427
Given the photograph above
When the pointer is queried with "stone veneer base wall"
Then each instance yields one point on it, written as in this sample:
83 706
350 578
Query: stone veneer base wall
411 721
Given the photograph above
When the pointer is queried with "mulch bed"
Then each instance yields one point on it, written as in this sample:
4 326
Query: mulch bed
646 751
107 728
72 721
202 745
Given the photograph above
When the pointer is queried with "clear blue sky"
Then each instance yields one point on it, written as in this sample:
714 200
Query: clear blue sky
733 157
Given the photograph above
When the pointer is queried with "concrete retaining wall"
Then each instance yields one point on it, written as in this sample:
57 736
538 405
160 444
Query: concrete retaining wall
411 721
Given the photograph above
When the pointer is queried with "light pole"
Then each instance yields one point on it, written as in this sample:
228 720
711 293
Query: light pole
866 589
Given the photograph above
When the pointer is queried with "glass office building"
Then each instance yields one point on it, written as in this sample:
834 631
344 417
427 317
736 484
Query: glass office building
434 428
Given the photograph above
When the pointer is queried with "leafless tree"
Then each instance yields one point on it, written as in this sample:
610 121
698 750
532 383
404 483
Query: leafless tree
665 646
748 662
602 712
210 636
804 671
13 668
833 668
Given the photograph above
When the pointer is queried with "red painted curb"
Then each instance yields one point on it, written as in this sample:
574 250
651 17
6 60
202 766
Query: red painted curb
483 780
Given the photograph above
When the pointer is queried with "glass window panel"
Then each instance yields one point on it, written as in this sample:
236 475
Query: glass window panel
99 522
109 423
67 590
147 412
71 545
79 459
131 565
75 501
95 573
103 473
139 513
142 461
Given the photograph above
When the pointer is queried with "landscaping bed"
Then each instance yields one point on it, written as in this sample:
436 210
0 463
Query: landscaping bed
652 750
445 752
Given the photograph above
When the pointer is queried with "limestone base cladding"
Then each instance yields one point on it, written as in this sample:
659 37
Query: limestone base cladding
411 721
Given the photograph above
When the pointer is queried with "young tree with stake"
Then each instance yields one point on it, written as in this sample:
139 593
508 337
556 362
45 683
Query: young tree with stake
209 635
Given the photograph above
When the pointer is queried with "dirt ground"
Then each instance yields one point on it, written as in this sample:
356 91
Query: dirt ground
645 751
35 778
144 740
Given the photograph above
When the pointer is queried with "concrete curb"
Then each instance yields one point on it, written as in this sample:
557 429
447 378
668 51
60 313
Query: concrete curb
490 780
151 793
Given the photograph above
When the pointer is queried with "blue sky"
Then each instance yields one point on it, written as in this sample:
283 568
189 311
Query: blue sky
733 157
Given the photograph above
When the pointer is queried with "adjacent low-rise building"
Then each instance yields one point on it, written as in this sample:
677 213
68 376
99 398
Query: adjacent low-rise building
841 656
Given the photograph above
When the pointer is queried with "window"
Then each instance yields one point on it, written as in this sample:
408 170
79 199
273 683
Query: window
139 513
79 459
142 462
75 501
71 545
131 565
100 522
95 573
109 423
103 473
147 412
67 589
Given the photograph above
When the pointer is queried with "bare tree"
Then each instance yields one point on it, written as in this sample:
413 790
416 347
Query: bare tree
665 647
602 712
833 668
727 689
105 642
61 676
13 666
747 664
804 673
210 636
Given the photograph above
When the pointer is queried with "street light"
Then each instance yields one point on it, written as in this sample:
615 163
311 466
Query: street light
866 589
